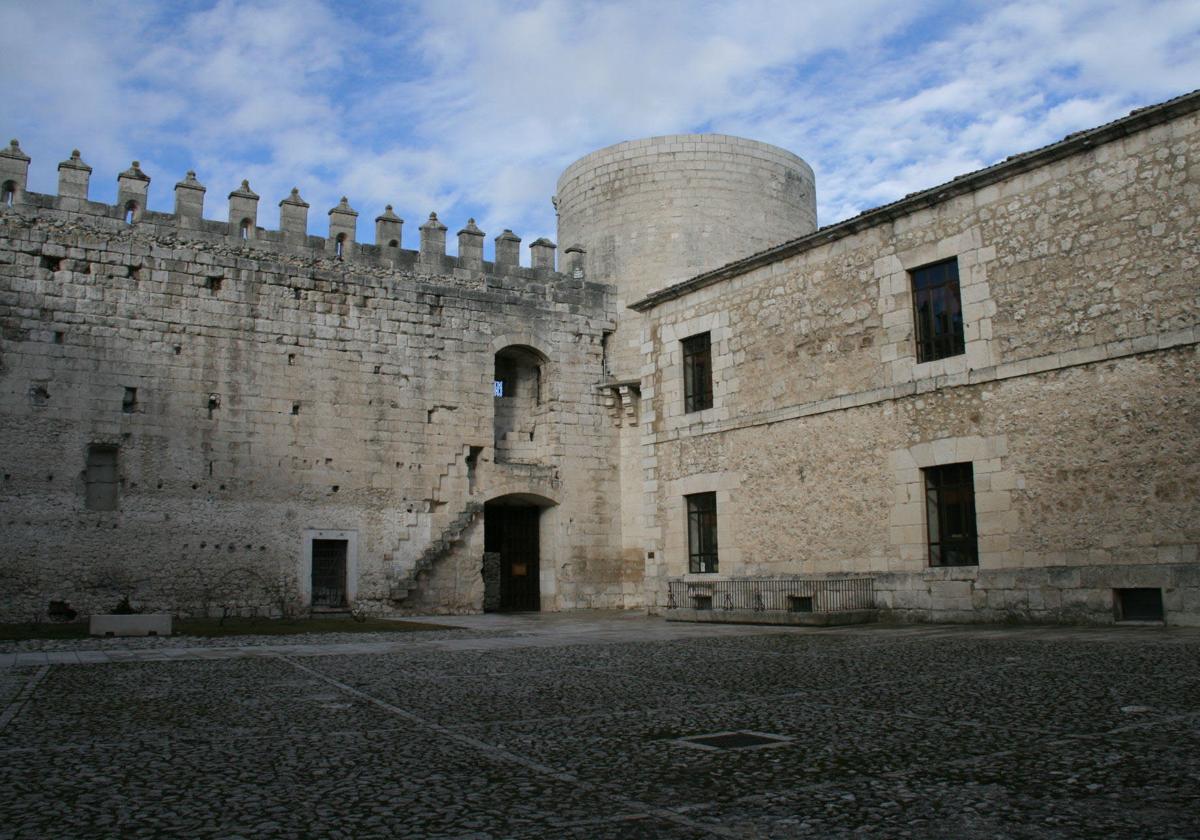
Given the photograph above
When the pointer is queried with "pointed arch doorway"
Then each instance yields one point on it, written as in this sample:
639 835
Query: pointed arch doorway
513 544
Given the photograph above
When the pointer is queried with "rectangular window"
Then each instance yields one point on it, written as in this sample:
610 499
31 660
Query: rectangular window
702 532
938 311
697 373
950 514
100 478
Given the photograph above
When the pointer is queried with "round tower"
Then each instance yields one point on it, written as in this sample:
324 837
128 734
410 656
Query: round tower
653 212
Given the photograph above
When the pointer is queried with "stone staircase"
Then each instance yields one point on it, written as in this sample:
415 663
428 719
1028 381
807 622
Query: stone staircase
438 548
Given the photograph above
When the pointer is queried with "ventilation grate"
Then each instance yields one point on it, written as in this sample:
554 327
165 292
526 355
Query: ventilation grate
741 740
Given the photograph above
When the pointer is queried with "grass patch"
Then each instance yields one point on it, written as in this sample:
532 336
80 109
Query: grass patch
214 627
20 632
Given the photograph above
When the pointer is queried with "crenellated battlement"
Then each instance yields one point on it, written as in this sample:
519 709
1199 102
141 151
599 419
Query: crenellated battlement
291 238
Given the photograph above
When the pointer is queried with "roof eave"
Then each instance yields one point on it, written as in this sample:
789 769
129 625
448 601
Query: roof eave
1138 120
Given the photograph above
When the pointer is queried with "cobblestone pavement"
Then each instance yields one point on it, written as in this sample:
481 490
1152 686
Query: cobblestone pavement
569 727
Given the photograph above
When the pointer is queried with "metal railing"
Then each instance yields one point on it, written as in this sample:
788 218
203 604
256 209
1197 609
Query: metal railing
800 595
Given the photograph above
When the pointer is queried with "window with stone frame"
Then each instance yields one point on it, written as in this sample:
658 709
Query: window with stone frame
937 310
702 532
697 373
950 515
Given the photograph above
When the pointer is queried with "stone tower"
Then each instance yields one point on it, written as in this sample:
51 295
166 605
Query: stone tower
649 213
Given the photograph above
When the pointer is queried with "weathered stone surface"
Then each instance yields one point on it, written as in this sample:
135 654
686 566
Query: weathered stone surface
266 389
278 391
1075 401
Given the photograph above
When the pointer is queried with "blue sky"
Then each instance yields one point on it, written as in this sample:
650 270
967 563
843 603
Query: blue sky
473 108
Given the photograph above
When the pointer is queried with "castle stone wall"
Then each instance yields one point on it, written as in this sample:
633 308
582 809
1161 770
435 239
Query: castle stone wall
651 212
282 394
190 407
1075 399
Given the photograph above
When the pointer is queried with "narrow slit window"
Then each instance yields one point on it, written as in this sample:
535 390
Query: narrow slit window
129 403
8 193
702 532
697 373
339 246
130 212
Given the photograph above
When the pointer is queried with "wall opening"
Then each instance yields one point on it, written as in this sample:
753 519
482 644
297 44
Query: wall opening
329 573
100 477
950 515
520 412
937 305
512 544
130 212
473 454
702 533
39 394
8 193
697 372
1141 604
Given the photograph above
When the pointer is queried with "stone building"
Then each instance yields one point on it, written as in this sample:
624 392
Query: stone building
979 402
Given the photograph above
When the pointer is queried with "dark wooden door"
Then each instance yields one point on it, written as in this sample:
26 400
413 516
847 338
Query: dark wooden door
519 578
329 573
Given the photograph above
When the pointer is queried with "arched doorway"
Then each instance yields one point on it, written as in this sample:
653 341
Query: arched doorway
513 552
520 406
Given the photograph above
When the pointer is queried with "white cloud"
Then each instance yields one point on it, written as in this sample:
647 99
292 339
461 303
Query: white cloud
474 109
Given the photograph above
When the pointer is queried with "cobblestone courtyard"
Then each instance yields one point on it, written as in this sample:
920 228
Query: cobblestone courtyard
568 727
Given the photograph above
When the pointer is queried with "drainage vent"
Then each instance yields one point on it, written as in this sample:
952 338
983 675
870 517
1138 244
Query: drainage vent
735 741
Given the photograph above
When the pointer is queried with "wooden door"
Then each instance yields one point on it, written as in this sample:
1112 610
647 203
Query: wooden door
520 589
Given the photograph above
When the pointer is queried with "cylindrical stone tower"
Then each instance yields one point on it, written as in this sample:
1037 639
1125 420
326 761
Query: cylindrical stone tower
653 212
650 213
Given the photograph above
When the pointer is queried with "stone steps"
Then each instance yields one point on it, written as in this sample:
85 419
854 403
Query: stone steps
438 548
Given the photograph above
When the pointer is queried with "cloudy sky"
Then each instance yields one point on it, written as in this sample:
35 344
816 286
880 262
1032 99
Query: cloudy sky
473 107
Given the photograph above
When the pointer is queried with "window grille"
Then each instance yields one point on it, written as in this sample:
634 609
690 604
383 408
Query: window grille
950 515
702 532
